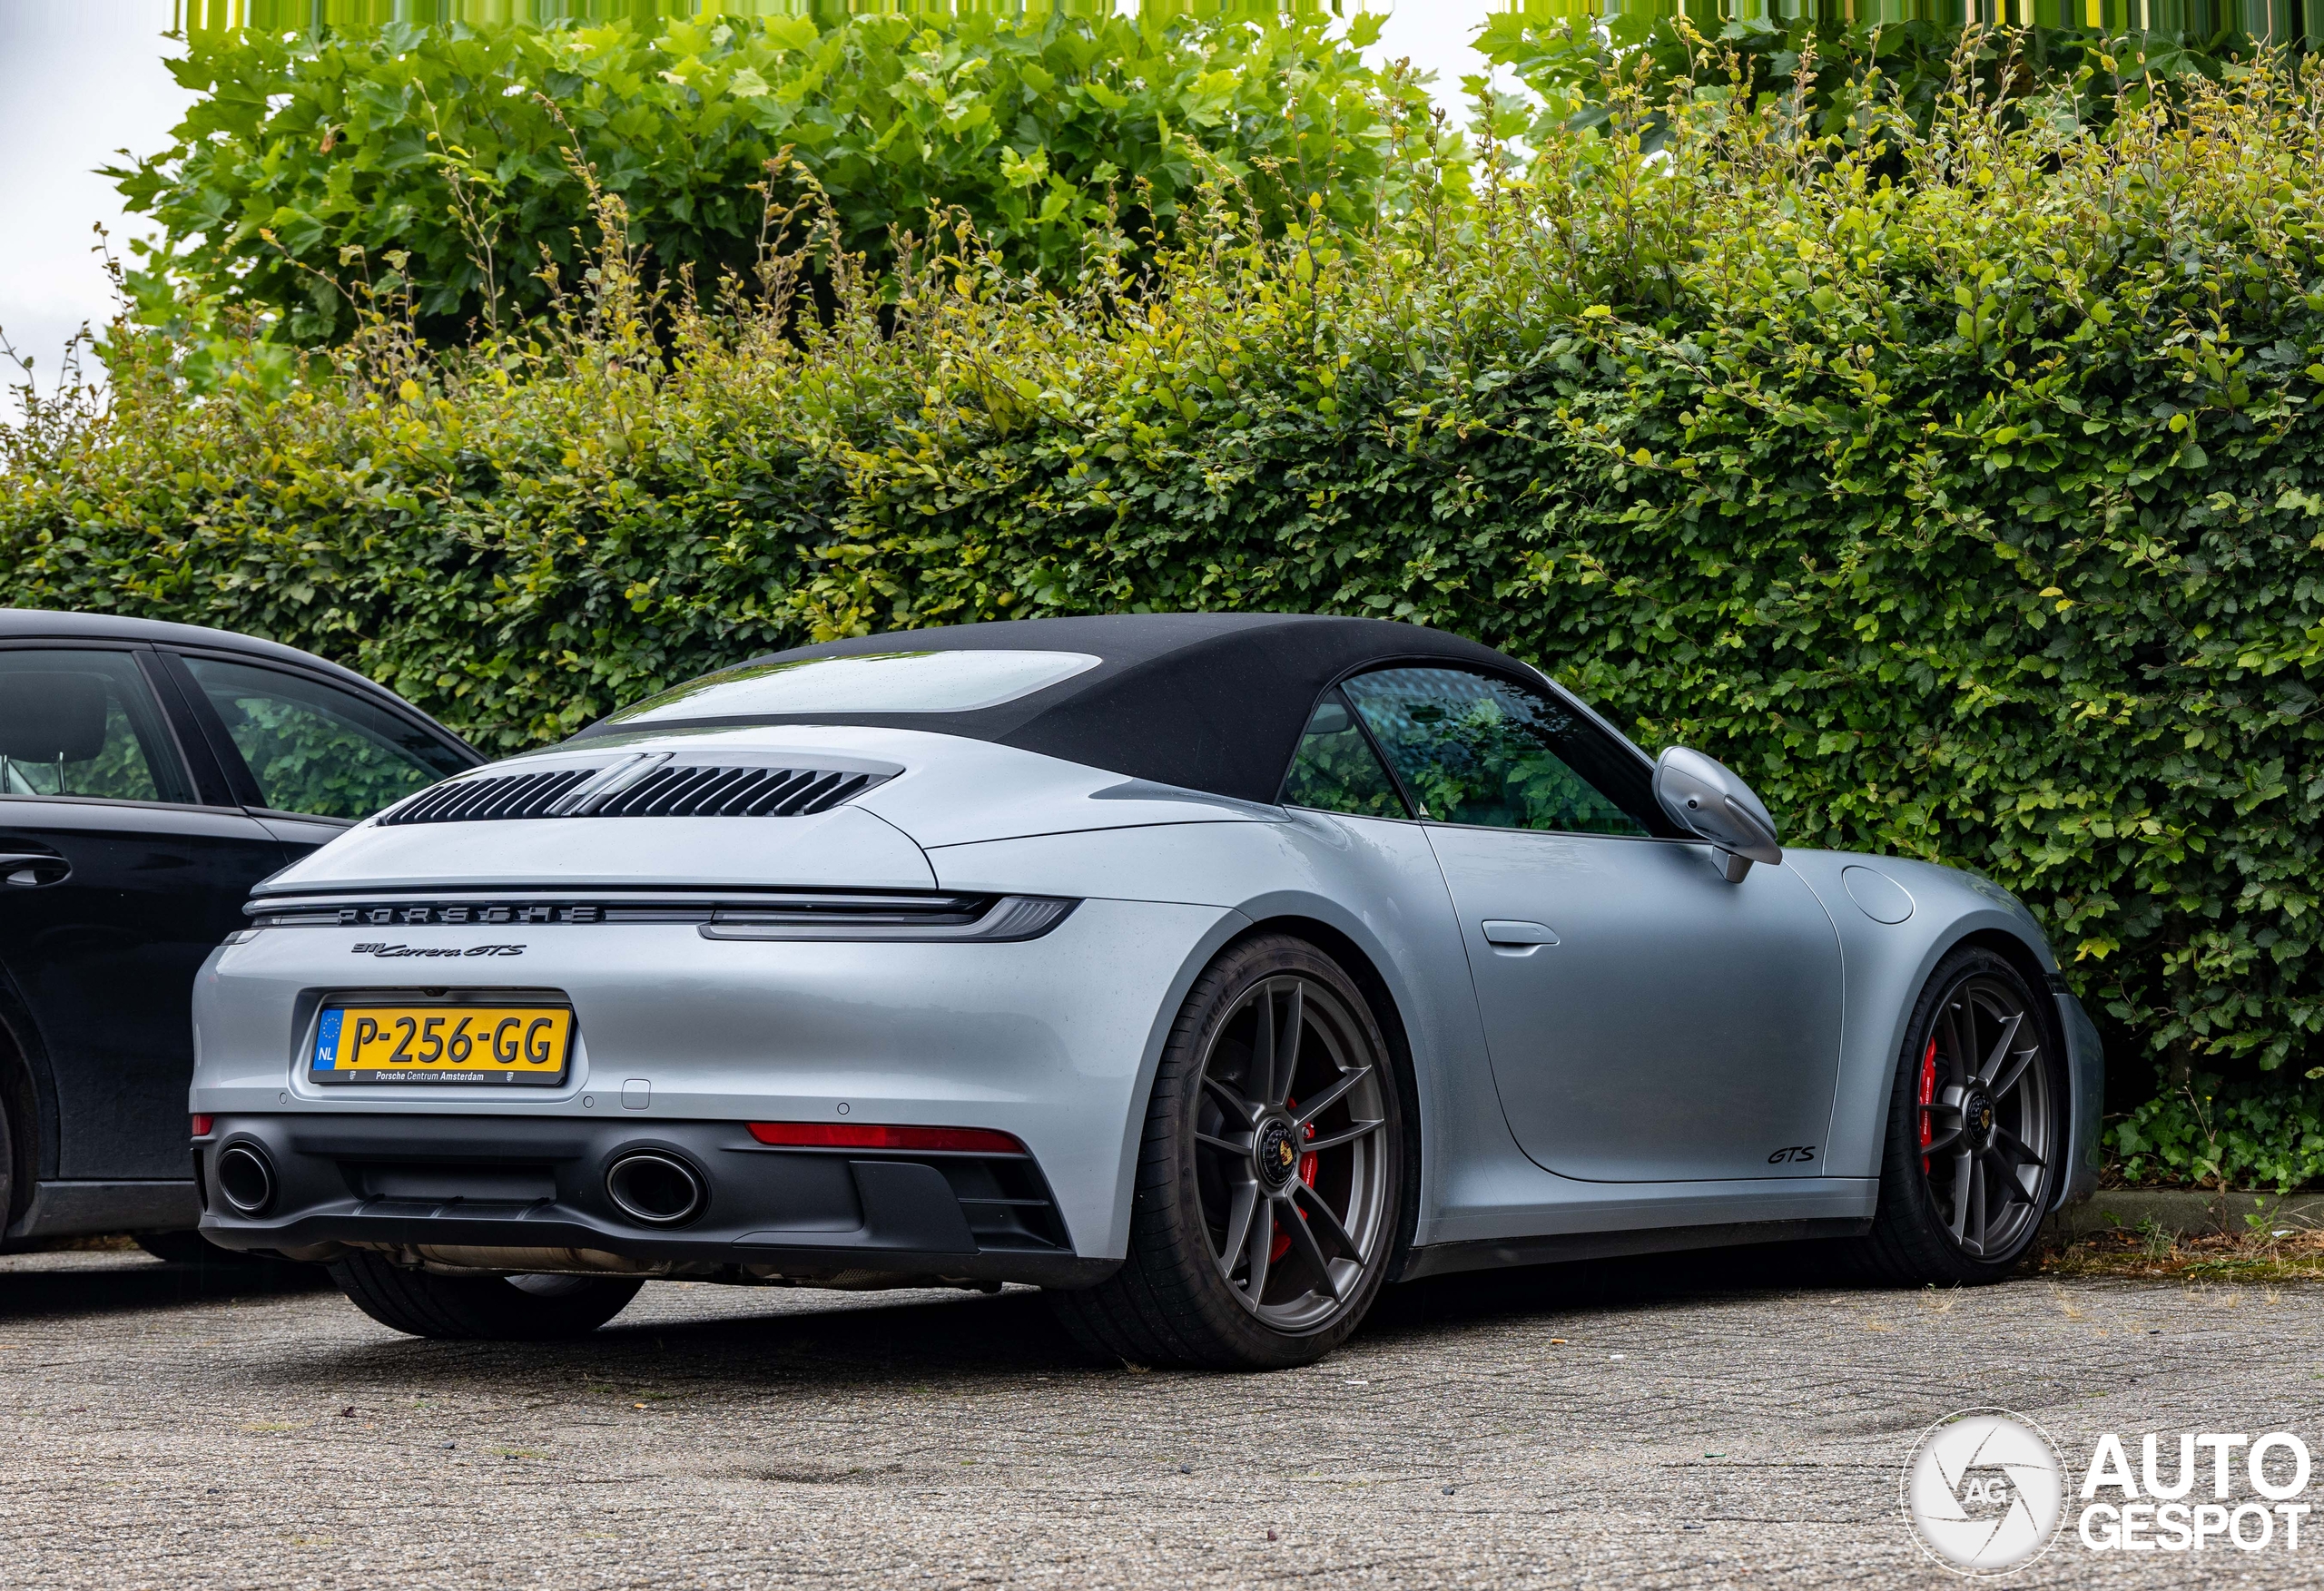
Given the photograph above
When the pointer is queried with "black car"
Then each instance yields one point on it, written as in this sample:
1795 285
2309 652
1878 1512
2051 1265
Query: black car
150 774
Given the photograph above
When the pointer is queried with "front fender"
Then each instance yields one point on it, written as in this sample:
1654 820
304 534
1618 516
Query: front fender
1887 964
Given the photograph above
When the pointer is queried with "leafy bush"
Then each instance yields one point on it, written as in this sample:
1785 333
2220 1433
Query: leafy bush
2239 1135
1972 517
318 164
1854 80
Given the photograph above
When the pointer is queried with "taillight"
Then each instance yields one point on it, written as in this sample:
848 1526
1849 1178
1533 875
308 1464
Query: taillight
852 1135
202 1126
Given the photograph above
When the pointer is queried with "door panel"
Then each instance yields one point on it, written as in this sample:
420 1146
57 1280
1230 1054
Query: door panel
105 960
1647 1020
121 891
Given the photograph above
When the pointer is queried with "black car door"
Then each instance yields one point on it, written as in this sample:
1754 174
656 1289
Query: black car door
121 866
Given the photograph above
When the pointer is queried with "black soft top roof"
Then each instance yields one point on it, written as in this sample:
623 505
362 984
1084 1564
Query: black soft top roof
1207 701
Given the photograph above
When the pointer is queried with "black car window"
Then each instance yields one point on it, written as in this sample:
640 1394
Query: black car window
1336 769
315 748
84 723
1473 749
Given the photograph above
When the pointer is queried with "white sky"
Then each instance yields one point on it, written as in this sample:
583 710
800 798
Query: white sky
80 79
1434 35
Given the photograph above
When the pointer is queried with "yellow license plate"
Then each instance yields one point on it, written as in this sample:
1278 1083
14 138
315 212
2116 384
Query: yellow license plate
442 1044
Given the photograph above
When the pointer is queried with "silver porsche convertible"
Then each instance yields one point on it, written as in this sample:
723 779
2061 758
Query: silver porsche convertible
1208 972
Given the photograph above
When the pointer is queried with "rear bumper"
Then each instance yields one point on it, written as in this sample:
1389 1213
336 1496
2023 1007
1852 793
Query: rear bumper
437 1183
1051 1040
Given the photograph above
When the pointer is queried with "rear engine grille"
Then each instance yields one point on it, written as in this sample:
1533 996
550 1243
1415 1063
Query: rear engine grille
664 792
504 795
733 792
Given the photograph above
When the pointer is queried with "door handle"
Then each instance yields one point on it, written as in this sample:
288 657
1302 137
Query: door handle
29 870
1527 934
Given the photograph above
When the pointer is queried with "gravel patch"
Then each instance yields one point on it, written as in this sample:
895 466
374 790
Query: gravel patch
1689 1421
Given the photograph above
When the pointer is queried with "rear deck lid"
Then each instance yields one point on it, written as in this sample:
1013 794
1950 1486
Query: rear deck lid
629 816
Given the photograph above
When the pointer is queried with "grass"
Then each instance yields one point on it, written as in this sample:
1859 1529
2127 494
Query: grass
2147 1251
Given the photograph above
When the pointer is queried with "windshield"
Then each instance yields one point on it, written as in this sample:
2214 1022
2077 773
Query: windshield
877 681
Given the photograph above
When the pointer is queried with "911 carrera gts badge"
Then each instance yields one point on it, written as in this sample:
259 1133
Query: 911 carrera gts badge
1795 1153
393 951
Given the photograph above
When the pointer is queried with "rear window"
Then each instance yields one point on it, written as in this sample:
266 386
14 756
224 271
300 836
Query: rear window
874 681
315 748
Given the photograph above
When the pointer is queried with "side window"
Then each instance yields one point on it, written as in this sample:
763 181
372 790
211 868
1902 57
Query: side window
1336 769
313 748
1472 749
84 723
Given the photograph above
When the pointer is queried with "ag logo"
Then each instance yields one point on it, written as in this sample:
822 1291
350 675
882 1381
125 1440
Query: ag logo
1984 1491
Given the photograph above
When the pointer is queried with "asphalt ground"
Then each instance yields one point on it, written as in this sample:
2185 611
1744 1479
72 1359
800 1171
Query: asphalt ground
1687 1420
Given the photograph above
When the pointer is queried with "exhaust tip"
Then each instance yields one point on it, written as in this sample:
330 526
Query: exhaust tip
657 1188
246 1178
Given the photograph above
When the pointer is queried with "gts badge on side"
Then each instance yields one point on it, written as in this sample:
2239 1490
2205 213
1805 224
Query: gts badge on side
1797 1154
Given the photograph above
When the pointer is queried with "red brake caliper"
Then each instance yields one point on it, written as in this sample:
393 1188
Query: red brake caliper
1282 1244
1928 1097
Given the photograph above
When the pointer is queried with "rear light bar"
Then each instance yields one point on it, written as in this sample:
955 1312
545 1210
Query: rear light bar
851 1135
830 916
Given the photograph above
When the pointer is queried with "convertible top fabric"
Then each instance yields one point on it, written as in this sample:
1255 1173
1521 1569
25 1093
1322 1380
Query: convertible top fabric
1206 702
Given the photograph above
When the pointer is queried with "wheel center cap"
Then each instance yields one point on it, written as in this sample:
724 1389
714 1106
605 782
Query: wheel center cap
1276 1152
1977 1119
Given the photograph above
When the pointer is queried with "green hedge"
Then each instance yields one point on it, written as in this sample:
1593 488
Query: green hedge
1854 80
1973 516
2237 1135
315 165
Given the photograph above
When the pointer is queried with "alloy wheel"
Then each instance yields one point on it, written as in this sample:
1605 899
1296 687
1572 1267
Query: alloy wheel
1985 1114
1290 1154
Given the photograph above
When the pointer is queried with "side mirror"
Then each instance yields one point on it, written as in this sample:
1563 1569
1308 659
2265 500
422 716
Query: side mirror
1707 801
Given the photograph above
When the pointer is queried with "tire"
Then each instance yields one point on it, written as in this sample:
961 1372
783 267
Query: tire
190 1248
520 1308
1924 1231
1225 1177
